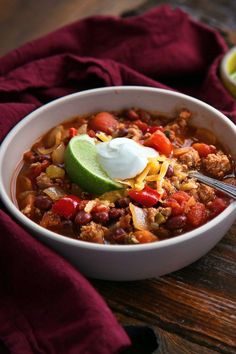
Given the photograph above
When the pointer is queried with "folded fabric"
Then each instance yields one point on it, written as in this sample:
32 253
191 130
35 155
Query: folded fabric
46 306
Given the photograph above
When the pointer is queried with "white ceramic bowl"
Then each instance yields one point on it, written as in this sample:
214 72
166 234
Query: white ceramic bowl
119 262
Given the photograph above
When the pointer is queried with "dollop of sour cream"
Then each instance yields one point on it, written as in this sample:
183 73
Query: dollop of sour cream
123 158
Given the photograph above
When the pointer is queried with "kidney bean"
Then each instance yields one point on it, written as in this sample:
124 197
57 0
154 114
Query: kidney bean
115 213
82 218
122 132
42 203
144 116
176 222
170 171
122 202
118 235
132 115
101 217
100 208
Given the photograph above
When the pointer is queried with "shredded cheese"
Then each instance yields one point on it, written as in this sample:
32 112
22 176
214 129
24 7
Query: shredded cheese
103 137
155 171
128 182
161 175
163 170
154 166
140 179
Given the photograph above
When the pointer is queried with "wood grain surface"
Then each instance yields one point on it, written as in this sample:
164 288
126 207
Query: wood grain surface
24 20
192 311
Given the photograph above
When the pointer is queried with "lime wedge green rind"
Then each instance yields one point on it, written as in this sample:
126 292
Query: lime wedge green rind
82 166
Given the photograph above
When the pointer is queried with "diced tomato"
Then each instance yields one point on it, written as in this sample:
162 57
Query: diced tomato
181 196
177 202
217 206
197 215
204 149
74 198
91 133
147 196
159 142
72 132
154 128
145 128
66 206
132 115
141 125
103 121
176 208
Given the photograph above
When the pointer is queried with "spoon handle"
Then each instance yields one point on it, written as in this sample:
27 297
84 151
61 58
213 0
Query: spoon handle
220 186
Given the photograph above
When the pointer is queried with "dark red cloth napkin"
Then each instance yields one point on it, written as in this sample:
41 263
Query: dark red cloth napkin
46 306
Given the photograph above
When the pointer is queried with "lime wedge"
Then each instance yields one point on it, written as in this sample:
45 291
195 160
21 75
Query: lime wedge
83 167
233 76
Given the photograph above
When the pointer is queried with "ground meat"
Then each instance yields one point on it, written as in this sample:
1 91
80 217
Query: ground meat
230 180
43 181
165 211
134 133
28 203
92 232
183 118
180 124
151 214
50 220
168 186
191 158
205 193
217 165
171 136
124 222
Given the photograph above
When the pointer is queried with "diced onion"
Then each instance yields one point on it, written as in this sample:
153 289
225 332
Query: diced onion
58 154
139 217
53 171
89 206
52 140
181 151
52 136
54 193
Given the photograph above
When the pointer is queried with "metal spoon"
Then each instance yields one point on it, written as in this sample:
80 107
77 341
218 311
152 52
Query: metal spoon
228 189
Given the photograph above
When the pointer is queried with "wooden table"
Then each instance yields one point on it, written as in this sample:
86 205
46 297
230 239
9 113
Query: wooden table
193 310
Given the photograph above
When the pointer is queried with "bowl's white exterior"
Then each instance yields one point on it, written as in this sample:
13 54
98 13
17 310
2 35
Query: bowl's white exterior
127 262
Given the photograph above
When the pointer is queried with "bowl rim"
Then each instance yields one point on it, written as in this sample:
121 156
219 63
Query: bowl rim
34 227
223 64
